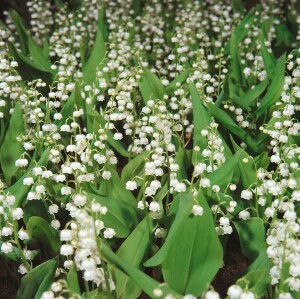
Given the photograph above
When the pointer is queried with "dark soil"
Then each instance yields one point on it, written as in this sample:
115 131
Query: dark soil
234 264
8 281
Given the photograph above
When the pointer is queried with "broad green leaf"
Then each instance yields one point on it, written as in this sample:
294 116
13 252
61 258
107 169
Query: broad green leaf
135 167
38 56
179 79
188 263
228 122
269 59
249 98
259 281
11 149
18 189
72 280
35 208
181 160
96 57
241 30
252 236
40 229
201 118
145 282
184 211
275 88
28 69
247 170
92 117
117 190
21 30
38 280
223 175
14 255
120 216
236 73
133 254
150 86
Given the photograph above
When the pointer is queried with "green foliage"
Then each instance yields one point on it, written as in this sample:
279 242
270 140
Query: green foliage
38 280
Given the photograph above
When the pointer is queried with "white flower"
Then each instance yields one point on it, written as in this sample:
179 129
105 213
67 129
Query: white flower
247 295
21 162
160 232
244 215
109 233
22 269
28 181
66 190
197 210
79 199
234 292
141 205
53 209
66 235
48 295
180 187
106 175
66 249
157 292
22 234
246 194
285 296
154 206
6 247
55 224
7 231
118 136
17 214
204 183
212 295
131 185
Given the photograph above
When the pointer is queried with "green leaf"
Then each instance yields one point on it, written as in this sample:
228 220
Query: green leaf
250 97
40 229
92 117
150 86
247 170
120 216
35 208
38 280
181 160
96 57
72 280
269 59
19 190
135 167
179 79
201 118
223 175
145 282
241 30
134 255
236 72
11 149
21 30
28 69
275 88
228 122
252 236
38 56
189 263
14 255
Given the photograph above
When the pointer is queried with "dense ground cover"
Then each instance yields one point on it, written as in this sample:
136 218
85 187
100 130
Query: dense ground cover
150 149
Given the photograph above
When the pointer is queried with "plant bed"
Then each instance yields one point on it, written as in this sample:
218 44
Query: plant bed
149 149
